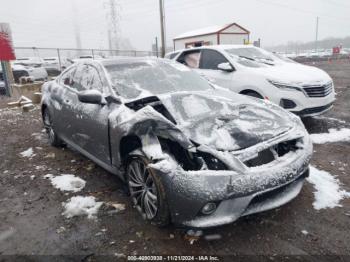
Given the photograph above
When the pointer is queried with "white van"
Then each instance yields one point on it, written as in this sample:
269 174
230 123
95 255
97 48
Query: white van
303 90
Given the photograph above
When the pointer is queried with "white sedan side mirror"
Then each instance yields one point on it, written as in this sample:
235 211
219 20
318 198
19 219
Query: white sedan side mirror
225 67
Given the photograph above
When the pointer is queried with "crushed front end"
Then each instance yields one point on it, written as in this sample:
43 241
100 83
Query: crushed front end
227 185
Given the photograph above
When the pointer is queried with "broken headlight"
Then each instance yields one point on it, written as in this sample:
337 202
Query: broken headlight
212 162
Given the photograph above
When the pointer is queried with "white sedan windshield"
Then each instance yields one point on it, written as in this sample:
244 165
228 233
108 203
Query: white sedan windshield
253 57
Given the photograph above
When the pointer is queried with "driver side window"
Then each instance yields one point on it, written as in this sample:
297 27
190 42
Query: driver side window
78 76
210 59
94 79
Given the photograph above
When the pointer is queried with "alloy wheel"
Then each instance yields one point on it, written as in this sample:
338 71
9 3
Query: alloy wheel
48 126
142 188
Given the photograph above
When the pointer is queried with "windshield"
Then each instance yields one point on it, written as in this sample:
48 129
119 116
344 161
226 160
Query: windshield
252 56
284 58
135 79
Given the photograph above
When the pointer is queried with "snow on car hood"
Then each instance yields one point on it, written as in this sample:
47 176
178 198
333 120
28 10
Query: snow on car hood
294 73
212 118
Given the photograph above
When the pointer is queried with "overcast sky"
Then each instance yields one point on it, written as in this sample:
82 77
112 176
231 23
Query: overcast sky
49 23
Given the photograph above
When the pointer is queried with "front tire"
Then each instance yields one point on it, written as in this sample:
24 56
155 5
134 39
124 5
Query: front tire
54 140
147 191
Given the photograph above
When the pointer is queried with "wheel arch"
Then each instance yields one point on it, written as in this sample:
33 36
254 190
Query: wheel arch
128 144
247 91
43 107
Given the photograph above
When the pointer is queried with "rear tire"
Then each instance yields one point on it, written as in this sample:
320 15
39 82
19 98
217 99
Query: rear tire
54 140
146 190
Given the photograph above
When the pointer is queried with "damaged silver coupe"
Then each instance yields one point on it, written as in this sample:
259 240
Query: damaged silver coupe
190 153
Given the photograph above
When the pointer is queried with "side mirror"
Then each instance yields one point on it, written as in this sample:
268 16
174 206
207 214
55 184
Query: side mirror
225 67
91 97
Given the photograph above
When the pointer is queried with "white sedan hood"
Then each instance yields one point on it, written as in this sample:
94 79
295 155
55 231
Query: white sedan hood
294 73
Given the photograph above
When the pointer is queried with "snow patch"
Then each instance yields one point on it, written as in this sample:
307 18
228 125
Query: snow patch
304 232
67 182
328 193
334 135
195 106
81 206
28 153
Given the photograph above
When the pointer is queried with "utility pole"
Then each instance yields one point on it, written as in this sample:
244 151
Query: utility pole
162 27
157 49
113 23
76 25
316 42
110 42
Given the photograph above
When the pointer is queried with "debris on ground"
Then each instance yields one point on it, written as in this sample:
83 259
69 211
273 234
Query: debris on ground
60 230
50 155
193 235
37 97
117 206
23 100
48 176
90 167
27 107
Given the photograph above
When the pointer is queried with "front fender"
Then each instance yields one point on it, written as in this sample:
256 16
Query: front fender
147 124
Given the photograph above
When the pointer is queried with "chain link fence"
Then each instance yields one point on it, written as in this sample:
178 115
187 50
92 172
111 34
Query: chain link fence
74 53
69 55
43 63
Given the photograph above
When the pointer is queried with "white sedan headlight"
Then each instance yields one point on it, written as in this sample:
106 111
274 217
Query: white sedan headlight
285 86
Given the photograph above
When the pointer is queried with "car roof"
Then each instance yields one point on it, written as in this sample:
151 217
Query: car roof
124 60
216 47
118 60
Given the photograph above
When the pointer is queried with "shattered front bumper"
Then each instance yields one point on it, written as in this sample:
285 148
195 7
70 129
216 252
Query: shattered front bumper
235 194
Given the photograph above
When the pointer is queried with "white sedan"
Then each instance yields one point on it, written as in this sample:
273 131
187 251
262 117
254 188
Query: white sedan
36 71
301 89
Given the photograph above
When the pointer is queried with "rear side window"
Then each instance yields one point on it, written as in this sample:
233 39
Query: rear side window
190 59
210 59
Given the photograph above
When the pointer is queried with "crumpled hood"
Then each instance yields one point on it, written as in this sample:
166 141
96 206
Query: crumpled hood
212 118
294 73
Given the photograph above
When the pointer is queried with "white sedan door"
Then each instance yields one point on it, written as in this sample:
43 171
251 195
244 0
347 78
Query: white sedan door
208 67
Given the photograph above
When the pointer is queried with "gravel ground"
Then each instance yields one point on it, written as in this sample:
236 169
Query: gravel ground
31 220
